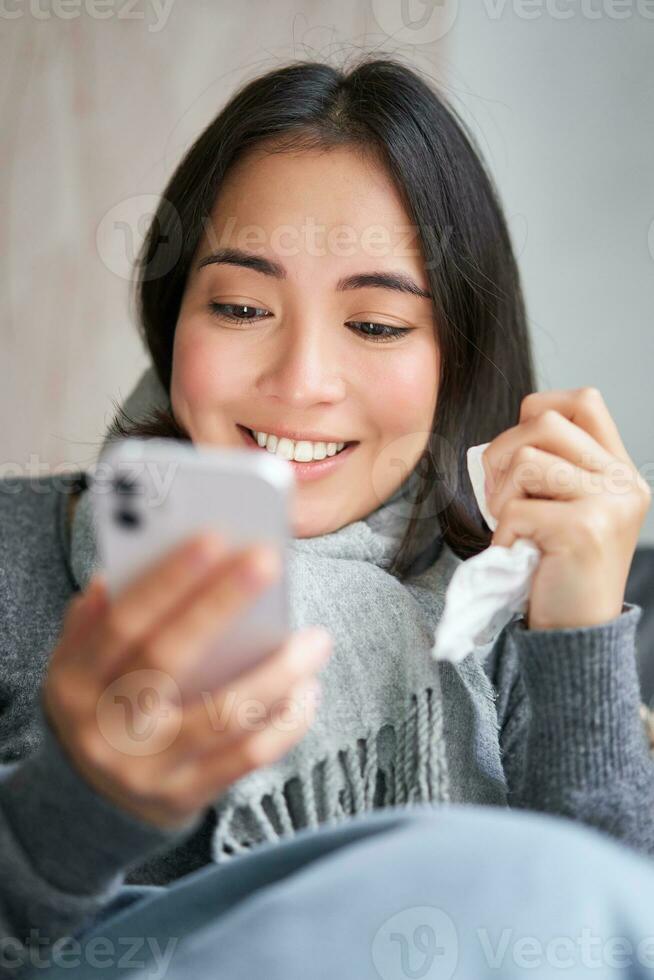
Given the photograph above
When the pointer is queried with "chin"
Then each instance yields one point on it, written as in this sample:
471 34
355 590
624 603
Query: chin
307 528
303 529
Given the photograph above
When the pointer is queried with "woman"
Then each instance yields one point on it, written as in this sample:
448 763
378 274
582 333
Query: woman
330 270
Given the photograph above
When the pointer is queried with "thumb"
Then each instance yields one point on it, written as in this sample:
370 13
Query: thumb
95 596
85 606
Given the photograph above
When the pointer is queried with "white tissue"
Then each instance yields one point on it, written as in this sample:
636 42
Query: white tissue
486 591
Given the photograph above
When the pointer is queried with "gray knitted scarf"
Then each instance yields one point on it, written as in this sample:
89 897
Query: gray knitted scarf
384 732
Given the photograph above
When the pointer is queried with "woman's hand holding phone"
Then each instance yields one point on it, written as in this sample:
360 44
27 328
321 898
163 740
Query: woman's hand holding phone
159 623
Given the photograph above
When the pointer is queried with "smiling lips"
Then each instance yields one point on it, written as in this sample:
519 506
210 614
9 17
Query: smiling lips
304 469
294 436
297 450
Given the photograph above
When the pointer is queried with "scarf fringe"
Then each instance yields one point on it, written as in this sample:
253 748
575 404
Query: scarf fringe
347 782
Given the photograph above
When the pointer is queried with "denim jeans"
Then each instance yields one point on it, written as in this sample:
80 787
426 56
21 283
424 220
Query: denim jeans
425 891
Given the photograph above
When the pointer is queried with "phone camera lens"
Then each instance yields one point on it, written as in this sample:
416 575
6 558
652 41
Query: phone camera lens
127 518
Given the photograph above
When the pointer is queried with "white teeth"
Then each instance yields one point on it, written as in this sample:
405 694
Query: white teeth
302 451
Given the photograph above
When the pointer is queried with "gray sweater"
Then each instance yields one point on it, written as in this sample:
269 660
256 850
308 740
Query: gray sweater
568 727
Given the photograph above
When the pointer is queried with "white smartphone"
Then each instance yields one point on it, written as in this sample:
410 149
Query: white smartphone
149 495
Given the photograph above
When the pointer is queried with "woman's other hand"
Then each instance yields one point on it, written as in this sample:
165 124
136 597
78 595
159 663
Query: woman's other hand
562 477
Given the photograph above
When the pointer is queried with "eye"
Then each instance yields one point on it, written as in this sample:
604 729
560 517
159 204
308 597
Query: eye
253 313
250 311
390 332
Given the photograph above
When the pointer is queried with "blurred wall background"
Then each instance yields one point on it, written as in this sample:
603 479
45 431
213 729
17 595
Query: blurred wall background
99 103
561 96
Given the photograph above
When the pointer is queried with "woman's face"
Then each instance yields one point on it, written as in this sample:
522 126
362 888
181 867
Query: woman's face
302 357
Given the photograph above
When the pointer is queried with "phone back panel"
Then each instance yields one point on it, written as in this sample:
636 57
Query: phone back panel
149 495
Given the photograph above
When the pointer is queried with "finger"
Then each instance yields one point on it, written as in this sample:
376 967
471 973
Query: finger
585 407
204 775
244 706
550 432
155 593
73 613
83 610
535 473
180 642
550 524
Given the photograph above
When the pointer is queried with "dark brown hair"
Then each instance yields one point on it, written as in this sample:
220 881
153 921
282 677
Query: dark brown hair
378 106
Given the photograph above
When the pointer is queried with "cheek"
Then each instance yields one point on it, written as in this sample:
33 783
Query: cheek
410 388
204 373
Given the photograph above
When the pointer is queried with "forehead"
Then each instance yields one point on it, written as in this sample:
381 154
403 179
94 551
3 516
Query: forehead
337 202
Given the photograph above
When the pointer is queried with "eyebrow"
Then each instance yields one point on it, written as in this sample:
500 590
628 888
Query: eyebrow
398 281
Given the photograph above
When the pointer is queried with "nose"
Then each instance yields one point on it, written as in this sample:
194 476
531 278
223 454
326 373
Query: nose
303 369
